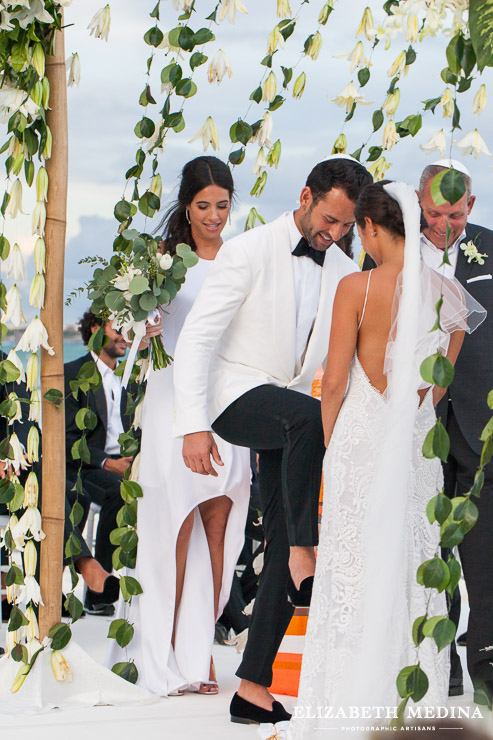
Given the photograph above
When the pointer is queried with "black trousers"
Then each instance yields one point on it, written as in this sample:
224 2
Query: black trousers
285 428
476 551
103 488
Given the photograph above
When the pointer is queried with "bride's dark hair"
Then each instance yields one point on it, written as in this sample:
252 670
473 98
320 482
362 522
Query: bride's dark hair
374 202
195 176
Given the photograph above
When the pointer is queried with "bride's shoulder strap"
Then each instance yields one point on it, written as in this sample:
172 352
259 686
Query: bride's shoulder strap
366 298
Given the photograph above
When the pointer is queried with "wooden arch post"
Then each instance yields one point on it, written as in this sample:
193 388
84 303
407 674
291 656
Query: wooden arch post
53 475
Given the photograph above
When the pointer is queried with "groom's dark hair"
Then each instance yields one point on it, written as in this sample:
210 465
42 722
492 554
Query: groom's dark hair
338 173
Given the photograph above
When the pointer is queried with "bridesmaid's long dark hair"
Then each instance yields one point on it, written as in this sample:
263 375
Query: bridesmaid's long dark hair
195 176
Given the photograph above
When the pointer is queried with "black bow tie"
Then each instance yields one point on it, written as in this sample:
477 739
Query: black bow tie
303 249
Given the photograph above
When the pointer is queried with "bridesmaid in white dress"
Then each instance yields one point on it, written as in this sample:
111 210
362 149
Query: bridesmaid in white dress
377 483
190 527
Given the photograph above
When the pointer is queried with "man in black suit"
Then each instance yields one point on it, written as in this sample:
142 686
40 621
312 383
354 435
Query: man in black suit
464 412
102 476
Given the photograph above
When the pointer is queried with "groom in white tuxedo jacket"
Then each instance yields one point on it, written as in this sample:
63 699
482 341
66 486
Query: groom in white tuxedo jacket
244 365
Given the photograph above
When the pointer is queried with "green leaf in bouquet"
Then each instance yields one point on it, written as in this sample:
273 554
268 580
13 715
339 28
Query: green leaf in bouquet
179 270
187 254
139 284
97 340
148 301
130 234
171 287
109 273
115 300
139 245
163 297
124 210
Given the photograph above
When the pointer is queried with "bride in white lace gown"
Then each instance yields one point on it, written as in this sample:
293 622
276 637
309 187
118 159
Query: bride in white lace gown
375 532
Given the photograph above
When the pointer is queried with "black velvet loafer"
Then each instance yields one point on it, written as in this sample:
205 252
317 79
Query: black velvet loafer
246 713
101 604
301 596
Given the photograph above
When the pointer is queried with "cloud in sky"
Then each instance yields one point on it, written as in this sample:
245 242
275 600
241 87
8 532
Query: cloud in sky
104 110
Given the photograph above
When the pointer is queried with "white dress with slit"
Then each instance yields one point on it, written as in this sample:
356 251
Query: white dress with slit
171 492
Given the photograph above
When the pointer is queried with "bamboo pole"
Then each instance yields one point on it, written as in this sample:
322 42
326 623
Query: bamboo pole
53 475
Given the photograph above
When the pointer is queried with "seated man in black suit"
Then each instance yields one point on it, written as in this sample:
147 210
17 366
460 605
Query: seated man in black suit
102 476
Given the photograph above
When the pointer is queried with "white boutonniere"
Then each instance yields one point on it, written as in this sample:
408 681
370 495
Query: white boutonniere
471 252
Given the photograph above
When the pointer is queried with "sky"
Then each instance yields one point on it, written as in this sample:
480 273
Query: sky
104 109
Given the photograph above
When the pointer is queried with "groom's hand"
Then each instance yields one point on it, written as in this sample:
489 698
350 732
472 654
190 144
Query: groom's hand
198 448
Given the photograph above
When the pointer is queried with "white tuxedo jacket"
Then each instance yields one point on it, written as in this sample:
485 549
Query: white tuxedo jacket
240 332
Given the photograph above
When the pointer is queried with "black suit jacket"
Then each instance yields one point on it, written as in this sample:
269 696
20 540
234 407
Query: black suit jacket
96 401
474 367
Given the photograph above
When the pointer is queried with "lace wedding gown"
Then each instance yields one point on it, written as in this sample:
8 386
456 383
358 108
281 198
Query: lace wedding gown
337 617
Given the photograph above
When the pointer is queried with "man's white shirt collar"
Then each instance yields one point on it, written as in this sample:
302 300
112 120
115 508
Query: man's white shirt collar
433 255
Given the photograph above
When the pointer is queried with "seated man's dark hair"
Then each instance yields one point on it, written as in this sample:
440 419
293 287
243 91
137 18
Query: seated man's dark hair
87 321
338 173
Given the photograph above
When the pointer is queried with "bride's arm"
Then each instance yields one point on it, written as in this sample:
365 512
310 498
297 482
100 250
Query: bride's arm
454 346
343 336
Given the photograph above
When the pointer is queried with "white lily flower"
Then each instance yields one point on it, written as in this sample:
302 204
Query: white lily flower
34 407
473 143
137 420
392 103
14 312
134 470
379 168
37 292
18 411
348 96
340 145
144 364
34 10
122 282
156 186
30 558
437 141
34 337
13 99
31 630
209 135
260 163
39 219
219 67
32 371
31 490
33 444
15 202
366 25
229 7
283 9
479 101
33 591
390 137
274 40
447 101
42 184
30 521
398 66
14 358
11 640
16 264
18 462
314 45
73 64
357 57
299 86
269 87
99 25
265 131
61 668
40 256
15 592
165 261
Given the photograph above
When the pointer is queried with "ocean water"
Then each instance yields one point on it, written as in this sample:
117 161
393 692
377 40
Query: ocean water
71 350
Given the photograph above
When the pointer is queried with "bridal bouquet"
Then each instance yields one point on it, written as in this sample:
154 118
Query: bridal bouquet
138 279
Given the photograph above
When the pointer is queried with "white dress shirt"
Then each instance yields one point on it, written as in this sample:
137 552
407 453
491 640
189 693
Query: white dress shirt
307 278
112 386
433 256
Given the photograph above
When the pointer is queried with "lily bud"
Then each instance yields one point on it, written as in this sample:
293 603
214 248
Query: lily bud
412 28
14 312
15 202
447 101
156 186
392 103
265 130
18 411
46 96
31 490
299 86
398 66
32 375
283 9
60 667
42 184
38 60
259 185
37 93
34 407
313 44
274 154
134 470
219 67
20 677
33 444
99 25
32 629
340 145
228 8
390 137
37 292
252 217
39 219
209 134
274 40
30 558
379 168
366 25
260 163
479 101
73 64
16 264
325 12
269 87
15 360
40 256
